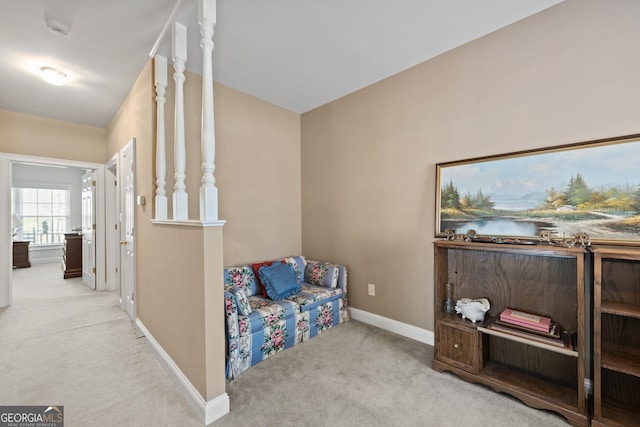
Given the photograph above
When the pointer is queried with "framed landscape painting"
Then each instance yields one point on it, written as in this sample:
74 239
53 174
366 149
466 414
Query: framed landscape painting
591 187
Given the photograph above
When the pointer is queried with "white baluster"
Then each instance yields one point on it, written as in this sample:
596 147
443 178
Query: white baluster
161 157
180 197
208 190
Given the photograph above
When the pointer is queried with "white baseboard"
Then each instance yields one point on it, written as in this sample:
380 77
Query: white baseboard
208 411
422 335
39 261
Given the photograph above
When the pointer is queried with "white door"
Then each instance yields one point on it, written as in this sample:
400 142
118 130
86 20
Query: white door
89 229
126 182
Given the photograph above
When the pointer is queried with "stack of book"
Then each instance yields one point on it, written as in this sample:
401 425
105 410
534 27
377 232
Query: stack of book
531 326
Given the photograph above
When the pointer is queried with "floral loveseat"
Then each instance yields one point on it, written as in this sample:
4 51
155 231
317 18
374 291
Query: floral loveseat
258 327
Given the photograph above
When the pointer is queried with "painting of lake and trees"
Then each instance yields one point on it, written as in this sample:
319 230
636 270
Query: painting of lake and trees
592 188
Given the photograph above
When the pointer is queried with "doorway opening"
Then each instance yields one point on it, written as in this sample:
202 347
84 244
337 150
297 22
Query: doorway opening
45 209
53 218
120 225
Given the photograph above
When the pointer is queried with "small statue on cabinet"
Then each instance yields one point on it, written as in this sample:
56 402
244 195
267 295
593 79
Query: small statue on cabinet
472 309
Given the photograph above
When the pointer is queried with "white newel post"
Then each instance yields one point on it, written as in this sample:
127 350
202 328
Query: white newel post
161 157
180 197
208 190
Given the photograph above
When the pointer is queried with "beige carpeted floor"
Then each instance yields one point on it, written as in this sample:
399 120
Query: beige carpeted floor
359 375
64 344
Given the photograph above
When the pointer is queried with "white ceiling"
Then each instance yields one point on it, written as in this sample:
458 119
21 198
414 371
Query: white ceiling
298 54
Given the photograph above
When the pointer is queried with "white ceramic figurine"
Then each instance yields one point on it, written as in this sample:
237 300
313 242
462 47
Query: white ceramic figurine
472 309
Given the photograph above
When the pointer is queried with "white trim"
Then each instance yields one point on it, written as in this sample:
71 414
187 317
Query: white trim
45 247
6 160
422 335
5 232
48 161
112 224
208 411
39 184
39 261
188 222
216 408
165 29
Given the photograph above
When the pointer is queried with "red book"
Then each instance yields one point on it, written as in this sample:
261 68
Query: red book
527 320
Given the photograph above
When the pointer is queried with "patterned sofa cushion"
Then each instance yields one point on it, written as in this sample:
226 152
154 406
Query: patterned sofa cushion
321 274
298 263
241 277
270 328
264 311
310 296
242 301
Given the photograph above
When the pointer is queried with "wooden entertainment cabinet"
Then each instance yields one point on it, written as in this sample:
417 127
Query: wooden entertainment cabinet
616 330
540 279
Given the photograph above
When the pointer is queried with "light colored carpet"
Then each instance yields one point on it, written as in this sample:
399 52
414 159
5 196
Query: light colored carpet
62 343
359 375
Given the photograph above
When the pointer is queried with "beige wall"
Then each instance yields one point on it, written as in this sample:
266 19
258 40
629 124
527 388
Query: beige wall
258 177
568 74
169 271
38 136
257 170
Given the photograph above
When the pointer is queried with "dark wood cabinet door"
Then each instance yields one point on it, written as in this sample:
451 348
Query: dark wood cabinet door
458 346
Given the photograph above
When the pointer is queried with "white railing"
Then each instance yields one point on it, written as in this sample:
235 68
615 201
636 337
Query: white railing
179 50
208 190
208 199
160 64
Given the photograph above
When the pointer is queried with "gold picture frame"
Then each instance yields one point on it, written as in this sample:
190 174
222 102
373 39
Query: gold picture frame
590 187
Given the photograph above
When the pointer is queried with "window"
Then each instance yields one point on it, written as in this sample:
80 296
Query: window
45 214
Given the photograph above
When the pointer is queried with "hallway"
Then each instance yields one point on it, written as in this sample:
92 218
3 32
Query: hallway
62 343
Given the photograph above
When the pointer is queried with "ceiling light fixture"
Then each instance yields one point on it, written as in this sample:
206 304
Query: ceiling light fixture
53 76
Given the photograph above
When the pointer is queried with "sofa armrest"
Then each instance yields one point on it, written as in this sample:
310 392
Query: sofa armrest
232 330
342 280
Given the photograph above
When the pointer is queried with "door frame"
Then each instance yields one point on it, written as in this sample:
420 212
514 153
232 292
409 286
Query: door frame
112 223
6 269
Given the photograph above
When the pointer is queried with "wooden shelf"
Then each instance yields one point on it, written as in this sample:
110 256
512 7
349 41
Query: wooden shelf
532 390
629 253
537 278
620 309
458 320
531 342
541 249
621 361
543 389
618 413
616 336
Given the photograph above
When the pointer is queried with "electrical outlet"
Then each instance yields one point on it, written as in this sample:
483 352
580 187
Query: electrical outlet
372 289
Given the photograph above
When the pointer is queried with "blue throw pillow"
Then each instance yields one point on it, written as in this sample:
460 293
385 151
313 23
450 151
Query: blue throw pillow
279 280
